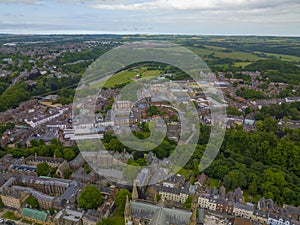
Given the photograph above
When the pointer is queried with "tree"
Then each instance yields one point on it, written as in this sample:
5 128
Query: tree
1 203
120 199
58 153
253 188
32 202
69 154
68 173
188 202
90 198
43 169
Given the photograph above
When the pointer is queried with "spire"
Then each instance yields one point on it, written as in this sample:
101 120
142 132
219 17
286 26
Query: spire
193 220
127 212
135 194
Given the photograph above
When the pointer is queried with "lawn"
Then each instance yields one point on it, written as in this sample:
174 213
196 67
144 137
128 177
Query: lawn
10 215
186 173
26 221
128 75
118 218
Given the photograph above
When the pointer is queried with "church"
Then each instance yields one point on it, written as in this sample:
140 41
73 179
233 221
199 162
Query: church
139 212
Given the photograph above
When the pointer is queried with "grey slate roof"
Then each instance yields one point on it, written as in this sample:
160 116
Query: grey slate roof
160 215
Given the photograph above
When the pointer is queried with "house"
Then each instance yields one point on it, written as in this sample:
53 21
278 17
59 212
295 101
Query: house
203 201
243 211
291 212
260 217
68 217
278 220
200 181
5 162
224 206
91 217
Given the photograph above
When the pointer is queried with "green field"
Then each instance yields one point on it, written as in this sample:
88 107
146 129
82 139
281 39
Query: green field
282 57
242 64
128 76
10 215
235 55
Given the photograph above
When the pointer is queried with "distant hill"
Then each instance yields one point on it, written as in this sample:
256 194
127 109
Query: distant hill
277 71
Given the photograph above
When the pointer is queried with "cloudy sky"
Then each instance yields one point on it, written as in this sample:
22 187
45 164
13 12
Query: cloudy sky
249 17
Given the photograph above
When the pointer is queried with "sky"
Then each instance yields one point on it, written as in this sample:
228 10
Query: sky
215 17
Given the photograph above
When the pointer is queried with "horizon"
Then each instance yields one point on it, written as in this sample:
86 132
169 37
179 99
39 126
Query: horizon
151 34
190 17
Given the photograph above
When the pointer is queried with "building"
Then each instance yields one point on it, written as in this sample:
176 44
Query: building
243 211
173 189
61 164
34 216
45 201
91 217
224 206
260 217
203 201
142 213
68 217
13 199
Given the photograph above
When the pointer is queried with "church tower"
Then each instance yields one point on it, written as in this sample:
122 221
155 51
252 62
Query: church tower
127 212
135 194
194 208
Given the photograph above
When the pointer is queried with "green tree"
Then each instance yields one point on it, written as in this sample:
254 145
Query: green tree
120 199
43 169
253 188
188 202
1 203
90 198
32 202
69 154
58 153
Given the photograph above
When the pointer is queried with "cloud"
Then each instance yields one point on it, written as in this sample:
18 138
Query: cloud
19 1
195 5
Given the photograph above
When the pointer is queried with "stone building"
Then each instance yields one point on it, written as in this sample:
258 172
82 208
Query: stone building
13 199
143 213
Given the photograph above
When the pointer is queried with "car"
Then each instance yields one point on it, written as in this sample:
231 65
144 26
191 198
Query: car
9 222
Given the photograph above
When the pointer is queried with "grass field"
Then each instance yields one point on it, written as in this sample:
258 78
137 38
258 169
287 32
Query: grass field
128 75
242 64
229 55
125 77
282 57
185 173
118 218
10 215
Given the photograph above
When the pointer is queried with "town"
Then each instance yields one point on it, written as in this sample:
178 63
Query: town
45 178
